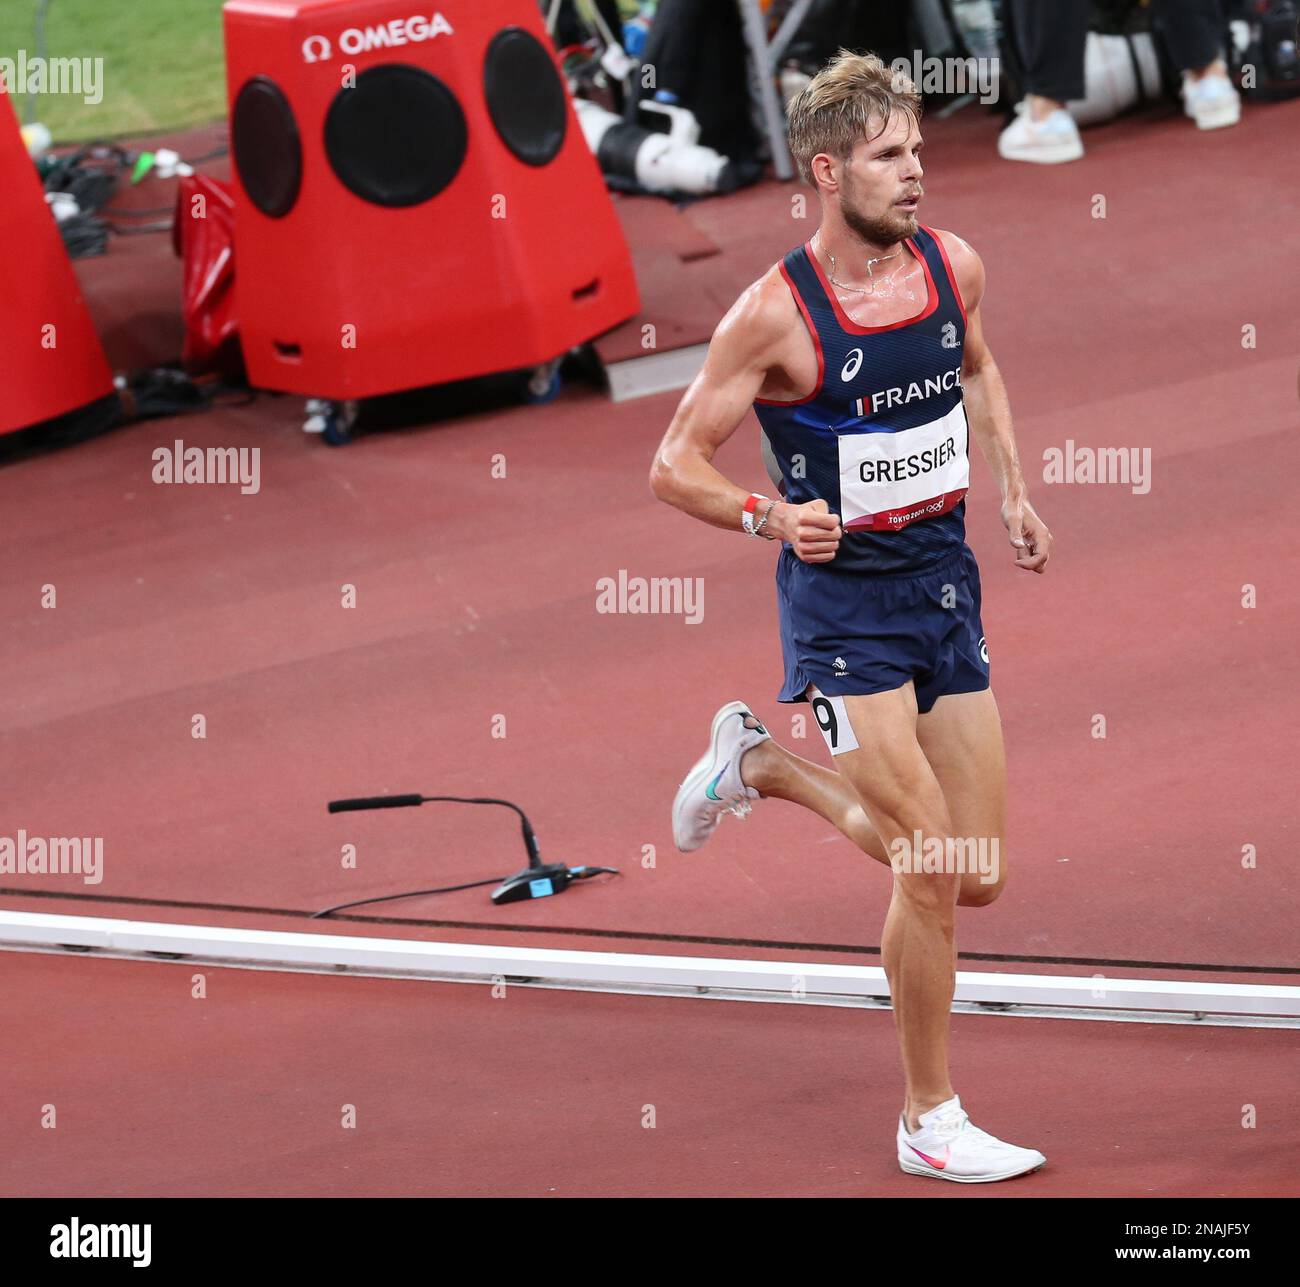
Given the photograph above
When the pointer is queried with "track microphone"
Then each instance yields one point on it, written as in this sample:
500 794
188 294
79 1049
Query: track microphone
374 802
537 880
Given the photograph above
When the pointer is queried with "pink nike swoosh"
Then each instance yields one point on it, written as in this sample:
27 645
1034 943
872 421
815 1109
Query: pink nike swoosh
934 1161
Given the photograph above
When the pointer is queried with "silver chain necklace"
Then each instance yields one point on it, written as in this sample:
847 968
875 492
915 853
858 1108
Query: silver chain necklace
870 262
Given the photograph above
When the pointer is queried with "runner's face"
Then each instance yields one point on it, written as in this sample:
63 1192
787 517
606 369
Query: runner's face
878 181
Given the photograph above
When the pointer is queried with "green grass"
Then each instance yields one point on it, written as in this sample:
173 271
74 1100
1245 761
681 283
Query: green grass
164 63
163 66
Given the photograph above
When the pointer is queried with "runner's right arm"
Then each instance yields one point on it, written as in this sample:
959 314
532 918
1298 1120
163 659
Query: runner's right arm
751 343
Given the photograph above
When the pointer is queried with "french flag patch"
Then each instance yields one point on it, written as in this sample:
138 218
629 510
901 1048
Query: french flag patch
860 408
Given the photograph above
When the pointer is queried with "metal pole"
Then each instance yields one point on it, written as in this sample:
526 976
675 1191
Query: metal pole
761 79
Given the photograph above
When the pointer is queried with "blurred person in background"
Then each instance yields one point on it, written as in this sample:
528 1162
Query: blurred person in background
1051 36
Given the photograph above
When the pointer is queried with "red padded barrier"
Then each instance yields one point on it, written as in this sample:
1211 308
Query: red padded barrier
51 360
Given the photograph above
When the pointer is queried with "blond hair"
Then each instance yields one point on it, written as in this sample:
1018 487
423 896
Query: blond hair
834 111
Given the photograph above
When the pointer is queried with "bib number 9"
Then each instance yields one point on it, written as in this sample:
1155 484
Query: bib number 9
833 720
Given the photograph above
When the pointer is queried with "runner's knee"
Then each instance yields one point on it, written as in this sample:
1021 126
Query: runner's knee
978 894
983 881
931 894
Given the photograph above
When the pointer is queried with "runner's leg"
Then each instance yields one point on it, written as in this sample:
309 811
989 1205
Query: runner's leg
903 797
961 736
778 773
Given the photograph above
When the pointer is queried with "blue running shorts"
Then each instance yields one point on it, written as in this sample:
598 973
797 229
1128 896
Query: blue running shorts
853 633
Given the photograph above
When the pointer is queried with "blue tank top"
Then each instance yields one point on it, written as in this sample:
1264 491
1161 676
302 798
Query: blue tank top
882 439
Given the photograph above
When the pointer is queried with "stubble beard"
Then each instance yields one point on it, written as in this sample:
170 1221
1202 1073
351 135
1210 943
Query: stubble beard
881 230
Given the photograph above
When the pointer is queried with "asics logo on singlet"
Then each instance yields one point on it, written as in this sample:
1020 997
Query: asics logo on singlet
852 366
900 395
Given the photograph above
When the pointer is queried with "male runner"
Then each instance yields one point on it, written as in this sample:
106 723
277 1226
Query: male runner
864 359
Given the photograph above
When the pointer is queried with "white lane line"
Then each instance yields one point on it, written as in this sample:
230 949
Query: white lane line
799 982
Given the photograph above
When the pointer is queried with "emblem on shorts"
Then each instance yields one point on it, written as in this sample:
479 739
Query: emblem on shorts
984 651
840 664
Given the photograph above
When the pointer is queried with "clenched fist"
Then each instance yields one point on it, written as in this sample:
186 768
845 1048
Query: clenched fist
812 530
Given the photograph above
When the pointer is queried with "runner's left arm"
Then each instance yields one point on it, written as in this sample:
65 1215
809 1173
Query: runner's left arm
988 412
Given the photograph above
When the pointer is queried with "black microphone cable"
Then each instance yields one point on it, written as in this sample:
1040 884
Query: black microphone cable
537 880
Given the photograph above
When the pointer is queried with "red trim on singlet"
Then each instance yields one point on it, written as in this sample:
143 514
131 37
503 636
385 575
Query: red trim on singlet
817 344
947 263
848 324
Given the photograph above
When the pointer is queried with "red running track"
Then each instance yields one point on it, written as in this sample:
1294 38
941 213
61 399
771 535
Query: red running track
477 598
542 1093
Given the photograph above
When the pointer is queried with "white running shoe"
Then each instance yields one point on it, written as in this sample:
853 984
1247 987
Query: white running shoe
948 1147
713 787
1048 142
1212 102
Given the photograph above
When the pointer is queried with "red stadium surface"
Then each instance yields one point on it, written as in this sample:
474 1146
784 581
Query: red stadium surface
545 1094
476 598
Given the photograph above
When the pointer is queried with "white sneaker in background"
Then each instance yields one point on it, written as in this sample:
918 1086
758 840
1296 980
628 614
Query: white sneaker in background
1212 102
1047 142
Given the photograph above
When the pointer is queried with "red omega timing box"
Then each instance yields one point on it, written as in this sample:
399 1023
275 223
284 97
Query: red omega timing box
51 361
415 201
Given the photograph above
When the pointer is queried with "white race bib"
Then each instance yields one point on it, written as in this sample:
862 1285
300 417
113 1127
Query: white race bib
888 480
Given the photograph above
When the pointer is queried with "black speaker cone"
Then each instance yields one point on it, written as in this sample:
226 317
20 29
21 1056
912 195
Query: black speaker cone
268 151
397 137
525 96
